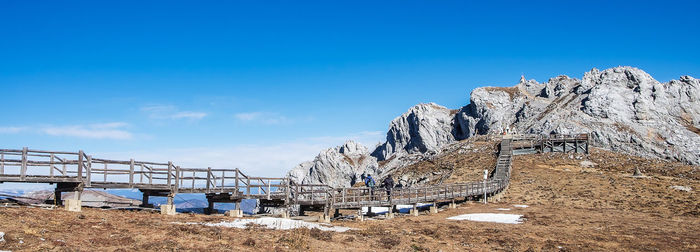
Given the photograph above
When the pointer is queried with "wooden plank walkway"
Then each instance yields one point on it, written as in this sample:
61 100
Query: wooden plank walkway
73 171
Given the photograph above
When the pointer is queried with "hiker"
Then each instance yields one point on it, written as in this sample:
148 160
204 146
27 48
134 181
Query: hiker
369 182
388 185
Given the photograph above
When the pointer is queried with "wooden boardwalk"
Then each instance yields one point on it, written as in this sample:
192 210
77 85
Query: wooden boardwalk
74 171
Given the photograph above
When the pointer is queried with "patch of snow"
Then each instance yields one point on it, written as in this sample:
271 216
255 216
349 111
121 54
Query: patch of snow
503 209
274 223
399 208
682 188
521 206
2 236
490 217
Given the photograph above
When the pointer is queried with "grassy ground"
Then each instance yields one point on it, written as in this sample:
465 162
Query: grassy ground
572 207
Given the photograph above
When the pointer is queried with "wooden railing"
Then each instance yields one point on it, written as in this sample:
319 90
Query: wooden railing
354 197
28 165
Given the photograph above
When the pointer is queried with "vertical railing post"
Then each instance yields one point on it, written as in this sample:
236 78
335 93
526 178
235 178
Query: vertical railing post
131 173
23 169
141 174
105 174
236 184
223 175
344 192
51 165
208 178
247 186
80 165
177 178
89 171
170 170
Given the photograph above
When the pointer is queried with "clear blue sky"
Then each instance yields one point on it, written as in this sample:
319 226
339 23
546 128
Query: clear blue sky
263 85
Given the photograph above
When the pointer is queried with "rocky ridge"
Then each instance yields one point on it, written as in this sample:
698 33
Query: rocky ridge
623 108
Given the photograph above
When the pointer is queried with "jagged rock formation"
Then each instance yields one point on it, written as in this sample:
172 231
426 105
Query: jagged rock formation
341 166
424 128
623 108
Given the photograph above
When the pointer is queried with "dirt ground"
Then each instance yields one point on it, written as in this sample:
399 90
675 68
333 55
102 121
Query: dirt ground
572 207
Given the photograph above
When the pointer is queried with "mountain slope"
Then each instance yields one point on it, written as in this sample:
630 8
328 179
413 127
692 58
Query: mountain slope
623 108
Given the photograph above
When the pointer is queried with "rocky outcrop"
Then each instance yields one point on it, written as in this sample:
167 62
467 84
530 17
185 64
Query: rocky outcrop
623 108
424 128
341 166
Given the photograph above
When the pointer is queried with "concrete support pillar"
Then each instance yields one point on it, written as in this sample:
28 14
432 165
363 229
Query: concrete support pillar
236 213
414 210
326 217
360 217
168 209
390 213
369 211
285 215
434 208
453 205
74 205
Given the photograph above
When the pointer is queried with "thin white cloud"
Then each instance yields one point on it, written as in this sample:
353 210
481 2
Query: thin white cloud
262 117
113 130
271 160
171 112
12 130
189 115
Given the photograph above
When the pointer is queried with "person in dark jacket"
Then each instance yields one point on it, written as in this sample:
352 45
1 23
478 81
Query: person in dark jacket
388 185
369 182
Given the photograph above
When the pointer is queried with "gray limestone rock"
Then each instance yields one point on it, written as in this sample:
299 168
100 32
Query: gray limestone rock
425 128
341 166
623 108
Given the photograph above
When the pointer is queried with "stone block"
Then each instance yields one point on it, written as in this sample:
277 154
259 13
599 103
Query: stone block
167 209
72 205
234 213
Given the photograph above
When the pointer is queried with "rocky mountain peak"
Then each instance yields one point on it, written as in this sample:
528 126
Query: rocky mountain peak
340 166
423 128
623 108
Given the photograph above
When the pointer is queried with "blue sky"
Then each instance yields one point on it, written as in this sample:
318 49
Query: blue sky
265 85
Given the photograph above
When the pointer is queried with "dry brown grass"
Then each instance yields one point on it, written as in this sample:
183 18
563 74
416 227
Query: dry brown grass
454 167
577 208
511 91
